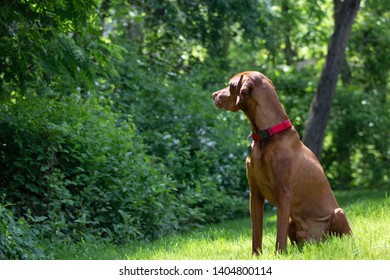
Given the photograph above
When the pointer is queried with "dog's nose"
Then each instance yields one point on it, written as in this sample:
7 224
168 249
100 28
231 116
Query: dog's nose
215 94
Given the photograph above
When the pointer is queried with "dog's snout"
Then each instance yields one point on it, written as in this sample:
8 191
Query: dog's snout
224 100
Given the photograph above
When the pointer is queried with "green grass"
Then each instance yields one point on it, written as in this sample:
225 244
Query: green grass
368 212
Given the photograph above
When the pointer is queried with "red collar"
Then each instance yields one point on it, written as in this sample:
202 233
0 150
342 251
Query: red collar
266 133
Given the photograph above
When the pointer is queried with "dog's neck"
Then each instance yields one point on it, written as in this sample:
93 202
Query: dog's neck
264 112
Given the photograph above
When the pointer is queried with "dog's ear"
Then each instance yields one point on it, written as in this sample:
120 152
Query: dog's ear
244 85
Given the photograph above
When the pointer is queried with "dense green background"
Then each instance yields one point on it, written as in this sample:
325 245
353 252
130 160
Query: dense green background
108 130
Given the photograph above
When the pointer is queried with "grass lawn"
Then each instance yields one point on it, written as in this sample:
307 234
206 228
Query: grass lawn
368 212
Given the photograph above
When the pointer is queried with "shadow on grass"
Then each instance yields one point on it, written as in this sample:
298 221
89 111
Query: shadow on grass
232 239
237 233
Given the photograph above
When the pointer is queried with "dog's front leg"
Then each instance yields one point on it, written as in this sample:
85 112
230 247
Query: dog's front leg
257 212
283 216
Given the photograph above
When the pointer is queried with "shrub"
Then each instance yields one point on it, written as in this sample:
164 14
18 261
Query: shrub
79 169
17 238
357 150
202 147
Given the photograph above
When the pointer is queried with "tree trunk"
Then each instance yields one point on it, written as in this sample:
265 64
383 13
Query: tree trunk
314 134
288 50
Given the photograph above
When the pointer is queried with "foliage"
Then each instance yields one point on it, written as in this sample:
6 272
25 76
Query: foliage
77 170
73 166
358 154
359 150
18 239
107 126
52 46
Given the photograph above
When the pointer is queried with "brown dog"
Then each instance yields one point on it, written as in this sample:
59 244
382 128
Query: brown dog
281 168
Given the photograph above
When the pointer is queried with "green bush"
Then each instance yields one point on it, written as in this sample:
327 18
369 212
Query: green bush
75 170
203 148
18 240
79 170
357 150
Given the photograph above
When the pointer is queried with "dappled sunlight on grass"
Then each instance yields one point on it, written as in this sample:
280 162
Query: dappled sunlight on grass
368 212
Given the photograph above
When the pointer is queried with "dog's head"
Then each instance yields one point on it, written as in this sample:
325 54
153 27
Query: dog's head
235 96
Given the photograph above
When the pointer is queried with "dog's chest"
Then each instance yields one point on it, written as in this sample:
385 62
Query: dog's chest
260 175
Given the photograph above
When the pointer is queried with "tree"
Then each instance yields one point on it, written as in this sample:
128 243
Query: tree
49 46
320 108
